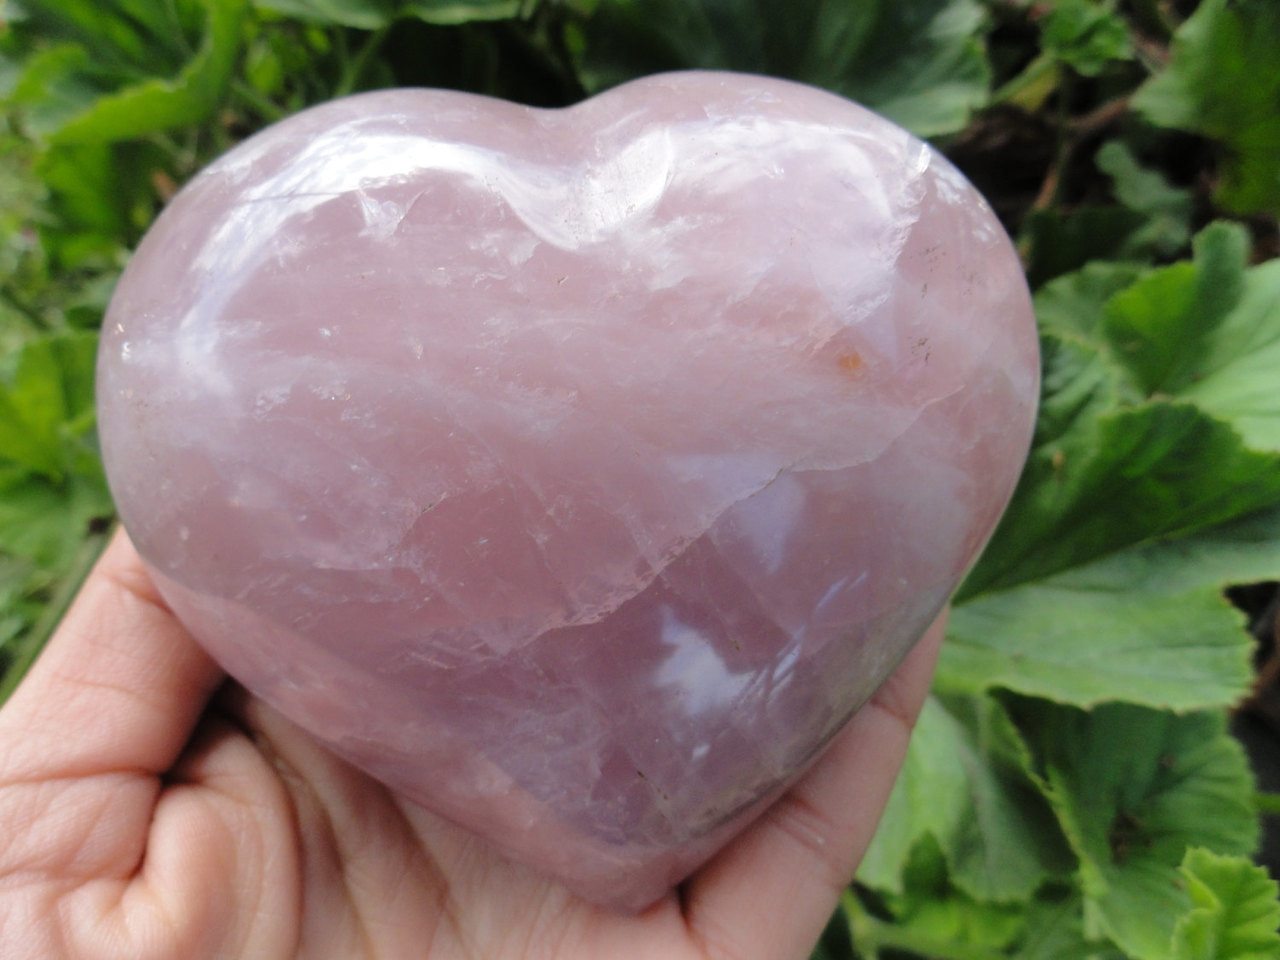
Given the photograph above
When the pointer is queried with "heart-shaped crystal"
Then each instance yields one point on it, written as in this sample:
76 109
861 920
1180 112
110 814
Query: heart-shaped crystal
575 472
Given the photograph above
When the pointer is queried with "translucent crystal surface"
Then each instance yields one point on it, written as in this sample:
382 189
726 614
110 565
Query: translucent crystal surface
578 472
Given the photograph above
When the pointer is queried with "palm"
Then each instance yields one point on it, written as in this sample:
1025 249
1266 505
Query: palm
139 819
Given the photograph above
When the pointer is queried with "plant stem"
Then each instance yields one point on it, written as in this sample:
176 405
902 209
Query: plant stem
29 647
1267 803
1064 146
21 309
353 67
546 45
256 102
180 158
171 14
1153 19
1099 118
1030 88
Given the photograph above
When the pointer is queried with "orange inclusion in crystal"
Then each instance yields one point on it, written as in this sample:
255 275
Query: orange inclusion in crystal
850 362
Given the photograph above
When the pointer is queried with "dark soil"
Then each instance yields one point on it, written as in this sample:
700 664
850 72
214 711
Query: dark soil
1257 721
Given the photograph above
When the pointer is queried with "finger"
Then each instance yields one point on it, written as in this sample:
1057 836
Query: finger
772 890
119 688
365 867
222 834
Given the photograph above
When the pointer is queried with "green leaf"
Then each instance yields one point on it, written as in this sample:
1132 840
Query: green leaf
52 490
1085 35
19 581
55 85
44 522
1222 82
1148 625
1181 424
926 800
834 944
362 14
1057 241
58 588
373 14
919 62
933 911
1133 789
1079 388
450 12
43 526
1073 304
1165 210
159 104
1151 221
120 36
1234 376
1161 469
1236 913
1055 931
922 65
95 200
46 403
1159 327
960 786
967 924
1206 330
36 294
933 920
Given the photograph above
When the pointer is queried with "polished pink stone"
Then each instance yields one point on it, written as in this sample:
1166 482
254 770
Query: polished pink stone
575 472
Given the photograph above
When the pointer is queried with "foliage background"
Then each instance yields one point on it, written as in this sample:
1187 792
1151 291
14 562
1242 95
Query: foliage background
1073 790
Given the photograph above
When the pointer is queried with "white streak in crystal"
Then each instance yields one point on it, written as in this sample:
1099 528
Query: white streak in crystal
694 670
622 187
381 217
769 527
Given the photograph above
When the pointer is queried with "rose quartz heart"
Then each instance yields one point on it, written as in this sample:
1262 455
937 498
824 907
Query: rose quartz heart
575 472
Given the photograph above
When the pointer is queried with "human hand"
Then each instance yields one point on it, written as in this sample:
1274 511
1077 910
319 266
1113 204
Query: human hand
147 814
